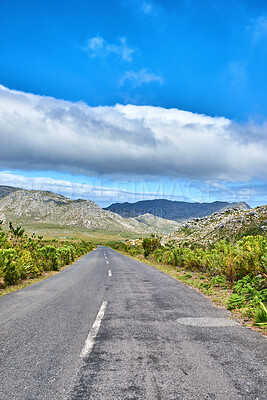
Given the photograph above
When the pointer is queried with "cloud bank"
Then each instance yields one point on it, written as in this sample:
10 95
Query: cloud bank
43 133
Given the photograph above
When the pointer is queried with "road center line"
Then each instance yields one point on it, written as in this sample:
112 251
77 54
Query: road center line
107 262
90 341
109 272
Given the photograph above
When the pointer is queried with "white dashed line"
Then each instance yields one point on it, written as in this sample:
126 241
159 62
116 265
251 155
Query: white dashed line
107 262
109 273
90 341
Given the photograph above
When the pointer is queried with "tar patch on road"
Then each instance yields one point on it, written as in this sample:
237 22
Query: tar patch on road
207 322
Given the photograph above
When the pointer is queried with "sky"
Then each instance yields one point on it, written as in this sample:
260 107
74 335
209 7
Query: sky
127 100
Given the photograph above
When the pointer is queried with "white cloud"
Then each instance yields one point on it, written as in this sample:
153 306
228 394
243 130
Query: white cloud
237 71
140 78
95 44
259 29
99 47
43 133
145 7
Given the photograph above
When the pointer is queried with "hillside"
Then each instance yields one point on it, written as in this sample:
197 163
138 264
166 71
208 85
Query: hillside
156 223
6 190
172 210
35 207
229 224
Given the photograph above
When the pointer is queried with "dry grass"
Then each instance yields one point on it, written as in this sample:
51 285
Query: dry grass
74 232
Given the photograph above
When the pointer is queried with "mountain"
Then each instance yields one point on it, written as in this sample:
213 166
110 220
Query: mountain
34 207
231 224
172 210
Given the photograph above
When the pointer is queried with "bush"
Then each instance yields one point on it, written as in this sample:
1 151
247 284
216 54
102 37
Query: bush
248 290
49 258
149 245
261 315
9 266
235 301
26 266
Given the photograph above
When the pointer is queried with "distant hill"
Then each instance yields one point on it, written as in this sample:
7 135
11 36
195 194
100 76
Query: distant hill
35 206
172 210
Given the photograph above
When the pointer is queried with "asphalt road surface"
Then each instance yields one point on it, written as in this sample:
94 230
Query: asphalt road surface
111 328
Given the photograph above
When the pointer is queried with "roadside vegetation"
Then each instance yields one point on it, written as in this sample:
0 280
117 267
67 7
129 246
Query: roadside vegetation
24 257
234 275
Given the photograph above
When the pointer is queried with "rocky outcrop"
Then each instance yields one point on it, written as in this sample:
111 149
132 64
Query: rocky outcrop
230 224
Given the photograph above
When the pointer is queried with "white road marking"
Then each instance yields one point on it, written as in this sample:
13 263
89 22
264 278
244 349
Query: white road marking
107 262
90 341
109 273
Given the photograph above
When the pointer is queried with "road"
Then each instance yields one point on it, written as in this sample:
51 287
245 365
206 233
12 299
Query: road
109 327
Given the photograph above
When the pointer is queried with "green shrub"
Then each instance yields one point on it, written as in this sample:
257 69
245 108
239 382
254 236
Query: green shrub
26 266
261 315
168 257
11 272
49 258
219 280
249 291
188 275
150 245
235 301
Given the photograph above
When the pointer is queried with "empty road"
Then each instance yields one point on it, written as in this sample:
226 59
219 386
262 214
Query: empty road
110 328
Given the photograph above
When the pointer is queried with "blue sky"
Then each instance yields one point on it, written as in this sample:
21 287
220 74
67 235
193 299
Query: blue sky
203 56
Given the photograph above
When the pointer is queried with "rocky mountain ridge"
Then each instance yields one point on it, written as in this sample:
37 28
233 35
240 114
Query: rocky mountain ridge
178 211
